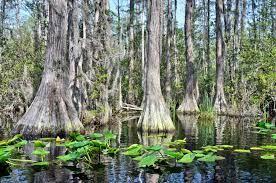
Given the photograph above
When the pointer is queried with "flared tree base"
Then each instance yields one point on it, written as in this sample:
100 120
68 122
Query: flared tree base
155 117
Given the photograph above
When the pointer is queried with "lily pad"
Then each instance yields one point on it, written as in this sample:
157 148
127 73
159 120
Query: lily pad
154 148
148 160
40 152
38 143
187 158
96 135
268 156
256 149
42 163
269 147
242 151
273 136
172 154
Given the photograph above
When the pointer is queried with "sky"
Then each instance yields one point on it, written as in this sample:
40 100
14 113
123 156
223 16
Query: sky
125 6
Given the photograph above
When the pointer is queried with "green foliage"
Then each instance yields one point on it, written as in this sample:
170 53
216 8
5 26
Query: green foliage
38 143
187 158
242 151
268 156
148 160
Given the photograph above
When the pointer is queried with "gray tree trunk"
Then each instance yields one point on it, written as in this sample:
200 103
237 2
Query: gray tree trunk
220 104
243 19
53 112
236 36
156 115
189 104
176 64
168 53
131 83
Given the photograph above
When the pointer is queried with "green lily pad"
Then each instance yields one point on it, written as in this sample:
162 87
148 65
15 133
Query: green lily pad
268 156
96 135
40 152
69 157
273 136
148 160
109 136
242 151
38 143
42 163
172 154
154 148
269 147
208 158
256 149
187 158
225 146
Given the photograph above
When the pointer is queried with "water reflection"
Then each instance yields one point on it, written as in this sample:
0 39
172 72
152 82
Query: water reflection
198 132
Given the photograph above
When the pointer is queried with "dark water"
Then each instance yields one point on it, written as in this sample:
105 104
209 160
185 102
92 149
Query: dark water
235 168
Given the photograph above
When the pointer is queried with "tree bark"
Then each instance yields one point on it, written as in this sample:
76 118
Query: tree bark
168 53
236 36
156 115
131 83
176 64
53 112
243 17
220 104
189 104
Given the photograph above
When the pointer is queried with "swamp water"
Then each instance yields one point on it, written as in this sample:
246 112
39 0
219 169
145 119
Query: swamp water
236 167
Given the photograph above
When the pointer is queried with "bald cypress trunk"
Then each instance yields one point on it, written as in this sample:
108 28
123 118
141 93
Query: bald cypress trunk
131 83
189 104
168 53
220 104
156 115
53 112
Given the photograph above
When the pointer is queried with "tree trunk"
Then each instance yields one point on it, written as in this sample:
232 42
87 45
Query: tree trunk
156 115
143 44
52 112
220 104
243 17
131 83
209 88
176 65
189 104
168 54
236 36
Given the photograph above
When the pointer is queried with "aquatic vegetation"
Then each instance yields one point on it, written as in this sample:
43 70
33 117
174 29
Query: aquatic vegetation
268 156
273 136
242 151
269 147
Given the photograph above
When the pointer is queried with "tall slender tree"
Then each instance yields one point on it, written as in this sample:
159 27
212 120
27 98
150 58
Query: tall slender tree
156 115
168 53
189 104
220 104
131 83
53 111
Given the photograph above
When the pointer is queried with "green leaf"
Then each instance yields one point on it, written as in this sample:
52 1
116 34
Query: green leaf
42 163
80 138
69 157
242 151
185 151
172 154
269 147
225 146
256 149
148 160
40 152
208 158
96 135
21 144
187 158
154 148
134 150
38 143
268 156
273 136
109 136
76 144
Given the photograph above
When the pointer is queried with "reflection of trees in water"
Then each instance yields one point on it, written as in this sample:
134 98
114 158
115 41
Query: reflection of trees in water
55 175
189 128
